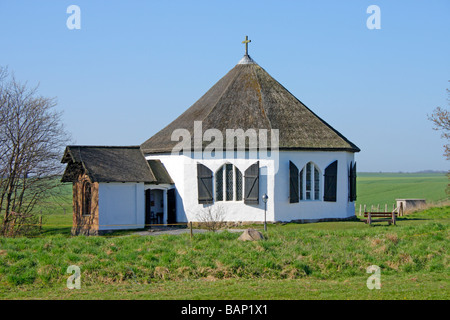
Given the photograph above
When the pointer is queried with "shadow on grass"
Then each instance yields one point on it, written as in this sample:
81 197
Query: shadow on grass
52 231
398 221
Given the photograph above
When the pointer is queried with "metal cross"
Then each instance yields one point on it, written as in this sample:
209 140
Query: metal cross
246 41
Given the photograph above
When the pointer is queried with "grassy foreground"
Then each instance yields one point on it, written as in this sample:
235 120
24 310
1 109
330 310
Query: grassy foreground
411 287
309 261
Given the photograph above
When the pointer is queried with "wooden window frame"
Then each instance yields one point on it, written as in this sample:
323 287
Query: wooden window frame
233 184
303 183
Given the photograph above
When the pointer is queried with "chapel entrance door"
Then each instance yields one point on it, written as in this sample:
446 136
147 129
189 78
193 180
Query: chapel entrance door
154 207
171 207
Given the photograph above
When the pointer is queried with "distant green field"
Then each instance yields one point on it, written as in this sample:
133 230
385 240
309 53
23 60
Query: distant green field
58 203
383 188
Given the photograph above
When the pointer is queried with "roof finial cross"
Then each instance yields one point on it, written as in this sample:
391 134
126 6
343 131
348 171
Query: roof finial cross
246 41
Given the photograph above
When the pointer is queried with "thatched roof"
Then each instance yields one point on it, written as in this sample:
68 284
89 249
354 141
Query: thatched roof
107 164
247 97
160 172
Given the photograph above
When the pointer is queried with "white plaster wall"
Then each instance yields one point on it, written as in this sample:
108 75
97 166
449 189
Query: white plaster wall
175 167
183 170
121 206
312 209
275 183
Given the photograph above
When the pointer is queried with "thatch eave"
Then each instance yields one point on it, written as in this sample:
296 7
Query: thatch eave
107 164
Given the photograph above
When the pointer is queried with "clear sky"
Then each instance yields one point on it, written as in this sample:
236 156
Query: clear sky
134 66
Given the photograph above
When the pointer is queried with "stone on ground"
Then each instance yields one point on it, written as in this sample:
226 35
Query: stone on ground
251 235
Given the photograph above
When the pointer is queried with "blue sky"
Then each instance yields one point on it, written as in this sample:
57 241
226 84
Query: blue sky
134 66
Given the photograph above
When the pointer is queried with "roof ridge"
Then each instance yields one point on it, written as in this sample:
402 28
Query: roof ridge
340 135
223 92
351 144
261 94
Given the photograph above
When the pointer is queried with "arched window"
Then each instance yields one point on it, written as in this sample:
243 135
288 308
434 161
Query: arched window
310 182
228 183
86 198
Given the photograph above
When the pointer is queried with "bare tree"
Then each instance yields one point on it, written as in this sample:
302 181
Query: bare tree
441 121
212 217
32 139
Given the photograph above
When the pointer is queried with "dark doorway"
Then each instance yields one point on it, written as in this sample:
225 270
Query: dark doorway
171 207
154 208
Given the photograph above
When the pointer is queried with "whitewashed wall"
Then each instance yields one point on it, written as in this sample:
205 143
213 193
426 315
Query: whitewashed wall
275 183
183 171
313 209
121 206
175 167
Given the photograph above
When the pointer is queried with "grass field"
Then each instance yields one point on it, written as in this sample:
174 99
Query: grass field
325 260
383 188
308 261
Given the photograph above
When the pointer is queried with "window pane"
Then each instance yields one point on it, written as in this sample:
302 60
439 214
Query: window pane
316 184
229 182
219 185
238 184
308 181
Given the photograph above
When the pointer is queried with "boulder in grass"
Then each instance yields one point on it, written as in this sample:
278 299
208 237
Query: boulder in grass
251 235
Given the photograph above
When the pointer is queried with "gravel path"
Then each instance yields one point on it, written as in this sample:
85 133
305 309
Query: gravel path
176 231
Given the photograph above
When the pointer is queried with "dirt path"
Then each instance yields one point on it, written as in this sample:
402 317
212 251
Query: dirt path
176 231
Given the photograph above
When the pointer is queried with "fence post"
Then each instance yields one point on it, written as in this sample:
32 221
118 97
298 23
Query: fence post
190 223
40 222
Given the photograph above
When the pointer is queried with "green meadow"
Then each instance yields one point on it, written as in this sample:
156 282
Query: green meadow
296 261
383 188
327 260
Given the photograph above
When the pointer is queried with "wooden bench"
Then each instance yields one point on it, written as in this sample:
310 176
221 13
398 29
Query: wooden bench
390 217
